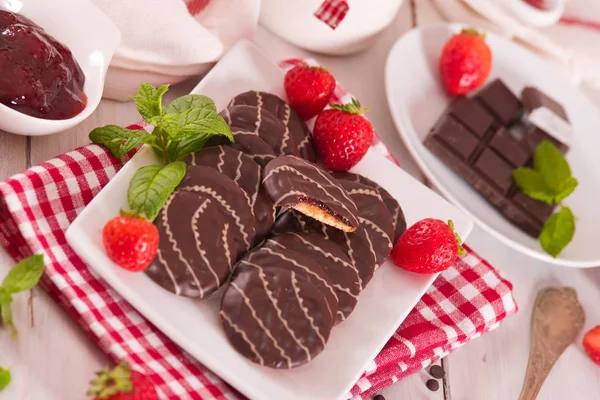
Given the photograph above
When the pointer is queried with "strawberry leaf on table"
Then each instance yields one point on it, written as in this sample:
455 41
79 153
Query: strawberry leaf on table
151 186
558 231
148 101
119 140
22 277
5 378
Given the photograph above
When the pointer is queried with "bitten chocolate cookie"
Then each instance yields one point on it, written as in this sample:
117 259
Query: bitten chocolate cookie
335 263
297 128
247 175
373 216
392 205
230 198
196 245
295 183
356 245
259 121
301 264
275 317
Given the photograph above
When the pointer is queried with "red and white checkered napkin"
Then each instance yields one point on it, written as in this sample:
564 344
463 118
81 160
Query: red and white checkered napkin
332 12
37 207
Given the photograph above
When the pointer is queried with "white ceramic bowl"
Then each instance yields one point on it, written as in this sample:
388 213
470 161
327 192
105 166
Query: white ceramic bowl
294 21
534 16
93 39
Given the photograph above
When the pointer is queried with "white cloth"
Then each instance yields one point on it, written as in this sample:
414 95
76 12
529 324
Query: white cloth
571 43
168 41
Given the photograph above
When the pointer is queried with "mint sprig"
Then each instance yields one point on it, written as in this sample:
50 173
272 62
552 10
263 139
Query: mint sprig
550 181
24 276
151 186
181 128
189 119
5 377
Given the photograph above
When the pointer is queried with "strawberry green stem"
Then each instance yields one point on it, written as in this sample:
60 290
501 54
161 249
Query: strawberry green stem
351 108
461 250
472 31
111 382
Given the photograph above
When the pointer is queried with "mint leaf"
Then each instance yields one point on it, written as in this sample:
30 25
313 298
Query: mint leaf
151 186
566 188
558 231
181 149
24 276
195 121
119 140
148 101
5 297
191 101
533 184
4 378
7 319
553 166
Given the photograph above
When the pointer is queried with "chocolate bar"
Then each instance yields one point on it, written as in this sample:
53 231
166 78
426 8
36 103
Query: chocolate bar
477 145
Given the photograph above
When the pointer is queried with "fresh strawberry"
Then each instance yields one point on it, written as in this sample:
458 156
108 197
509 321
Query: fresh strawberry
427 247
130 242
342 135
308 89
591 344
466 62
122 383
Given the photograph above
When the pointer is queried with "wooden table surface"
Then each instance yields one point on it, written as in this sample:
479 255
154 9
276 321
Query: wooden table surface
54 359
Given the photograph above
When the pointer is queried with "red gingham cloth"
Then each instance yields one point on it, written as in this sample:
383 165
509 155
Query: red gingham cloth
332 12
38 205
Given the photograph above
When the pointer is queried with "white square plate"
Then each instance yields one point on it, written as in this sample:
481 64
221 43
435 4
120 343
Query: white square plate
196 327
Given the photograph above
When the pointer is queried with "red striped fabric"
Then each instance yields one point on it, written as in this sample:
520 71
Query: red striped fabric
332 12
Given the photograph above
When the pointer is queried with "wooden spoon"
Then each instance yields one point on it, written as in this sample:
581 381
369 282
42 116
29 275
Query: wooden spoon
556 321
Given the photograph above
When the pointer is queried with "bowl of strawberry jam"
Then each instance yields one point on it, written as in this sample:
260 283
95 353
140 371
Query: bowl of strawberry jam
53 61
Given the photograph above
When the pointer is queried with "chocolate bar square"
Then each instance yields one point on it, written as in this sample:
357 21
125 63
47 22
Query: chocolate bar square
501 102
493 167
511 149
456 137
472 115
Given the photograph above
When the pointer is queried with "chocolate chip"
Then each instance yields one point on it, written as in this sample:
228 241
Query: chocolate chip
432 385
437 371
379 397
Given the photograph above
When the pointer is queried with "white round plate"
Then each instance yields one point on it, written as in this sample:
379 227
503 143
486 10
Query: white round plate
416 99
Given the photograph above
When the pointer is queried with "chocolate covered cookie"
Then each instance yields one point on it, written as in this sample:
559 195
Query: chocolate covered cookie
373 216
356 245
295 183
274 316
298 262
247 175
329 256
224 192
197 245
391 204
296 126
259 121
